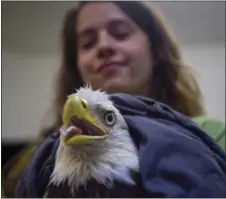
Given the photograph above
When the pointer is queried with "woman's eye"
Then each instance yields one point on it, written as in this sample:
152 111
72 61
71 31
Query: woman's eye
87 43
87 40
120 30
109 118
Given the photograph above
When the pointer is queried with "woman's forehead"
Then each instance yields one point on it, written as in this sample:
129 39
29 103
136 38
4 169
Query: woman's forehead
97 14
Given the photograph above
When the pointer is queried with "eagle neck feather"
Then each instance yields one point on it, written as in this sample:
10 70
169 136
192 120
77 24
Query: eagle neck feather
112 159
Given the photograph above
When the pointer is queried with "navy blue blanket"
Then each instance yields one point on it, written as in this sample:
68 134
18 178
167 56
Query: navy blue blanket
177 159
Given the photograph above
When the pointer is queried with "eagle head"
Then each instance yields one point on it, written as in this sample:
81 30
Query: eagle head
90 117
94 142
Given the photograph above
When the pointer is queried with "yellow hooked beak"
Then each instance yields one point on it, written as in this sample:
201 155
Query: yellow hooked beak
79 108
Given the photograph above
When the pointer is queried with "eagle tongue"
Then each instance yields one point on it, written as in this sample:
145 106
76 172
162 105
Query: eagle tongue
72 131
81 127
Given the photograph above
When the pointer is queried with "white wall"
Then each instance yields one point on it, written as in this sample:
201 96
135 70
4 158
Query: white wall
27 87
27 91
208 61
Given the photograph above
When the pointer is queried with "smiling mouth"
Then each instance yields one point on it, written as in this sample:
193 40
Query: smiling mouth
79 130
111 65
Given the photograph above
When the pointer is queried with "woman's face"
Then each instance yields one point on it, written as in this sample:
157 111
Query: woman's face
113 52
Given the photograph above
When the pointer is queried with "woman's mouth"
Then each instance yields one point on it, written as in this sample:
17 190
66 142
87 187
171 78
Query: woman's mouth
110 67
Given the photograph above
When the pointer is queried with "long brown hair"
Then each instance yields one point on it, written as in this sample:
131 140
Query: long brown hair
173 82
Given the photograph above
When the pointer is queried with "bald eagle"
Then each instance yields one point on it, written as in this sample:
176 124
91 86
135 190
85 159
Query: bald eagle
96 156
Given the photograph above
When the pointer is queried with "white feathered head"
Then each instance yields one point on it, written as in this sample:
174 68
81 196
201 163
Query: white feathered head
95 141
90 116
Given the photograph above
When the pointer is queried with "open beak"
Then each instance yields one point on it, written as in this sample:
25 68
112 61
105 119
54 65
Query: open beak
79 109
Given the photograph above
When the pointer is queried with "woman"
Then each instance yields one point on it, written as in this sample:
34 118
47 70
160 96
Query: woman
123 47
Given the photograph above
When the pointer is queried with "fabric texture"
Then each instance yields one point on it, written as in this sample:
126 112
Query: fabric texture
214 128
176 157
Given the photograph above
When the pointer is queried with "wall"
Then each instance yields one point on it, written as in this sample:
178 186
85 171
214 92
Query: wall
208 61
28 80
27 91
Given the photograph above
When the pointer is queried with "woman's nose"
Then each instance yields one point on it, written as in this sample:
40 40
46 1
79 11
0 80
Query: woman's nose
105 45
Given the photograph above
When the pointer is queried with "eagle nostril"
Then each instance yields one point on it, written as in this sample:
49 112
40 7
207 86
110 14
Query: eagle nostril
84 104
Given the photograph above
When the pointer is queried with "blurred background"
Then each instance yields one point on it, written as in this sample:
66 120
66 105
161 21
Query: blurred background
31 58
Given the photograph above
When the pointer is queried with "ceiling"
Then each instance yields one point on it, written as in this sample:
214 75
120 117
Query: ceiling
34 26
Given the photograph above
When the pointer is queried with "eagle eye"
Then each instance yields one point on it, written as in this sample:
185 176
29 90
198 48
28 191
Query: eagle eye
109 118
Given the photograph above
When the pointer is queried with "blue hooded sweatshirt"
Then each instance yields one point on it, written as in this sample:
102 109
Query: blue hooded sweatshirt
177 159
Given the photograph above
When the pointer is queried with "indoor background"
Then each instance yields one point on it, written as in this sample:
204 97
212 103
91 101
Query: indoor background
31 58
